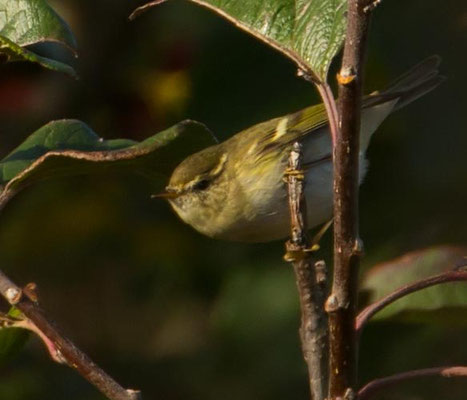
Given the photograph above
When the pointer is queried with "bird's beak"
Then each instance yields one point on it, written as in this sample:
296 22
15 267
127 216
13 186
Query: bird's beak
165 195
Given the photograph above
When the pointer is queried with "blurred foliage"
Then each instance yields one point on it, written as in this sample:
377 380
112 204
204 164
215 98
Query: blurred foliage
182 316
69 147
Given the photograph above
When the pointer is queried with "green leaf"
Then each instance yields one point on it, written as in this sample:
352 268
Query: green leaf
310 32
70 147
17 53
445 302
28 22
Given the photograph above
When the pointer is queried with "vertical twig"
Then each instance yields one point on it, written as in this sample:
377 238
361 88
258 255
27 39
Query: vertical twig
341 304
64 348
311 282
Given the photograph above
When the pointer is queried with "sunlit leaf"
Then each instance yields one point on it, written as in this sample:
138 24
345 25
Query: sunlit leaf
27 22
70 147
442 302
310 32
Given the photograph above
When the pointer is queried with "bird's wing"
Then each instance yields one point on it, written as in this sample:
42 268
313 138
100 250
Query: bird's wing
278 133
281 132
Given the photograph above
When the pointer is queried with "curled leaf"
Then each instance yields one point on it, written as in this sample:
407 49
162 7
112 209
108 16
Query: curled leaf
70 147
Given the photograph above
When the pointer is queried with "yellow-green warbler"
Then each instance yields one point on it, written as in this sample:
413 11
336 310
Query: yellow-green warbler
235 190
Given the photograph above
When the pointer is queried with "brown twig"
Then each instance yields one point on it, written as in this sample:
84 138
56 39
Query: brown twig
342 302
65 350
368 312
311 282
367 391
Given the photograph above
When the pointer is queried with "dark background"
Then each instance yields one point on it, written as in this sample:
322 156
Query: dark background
181 316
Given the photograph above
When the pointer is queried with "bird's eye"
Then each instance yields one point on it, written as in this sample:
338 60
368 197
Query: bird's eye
202 184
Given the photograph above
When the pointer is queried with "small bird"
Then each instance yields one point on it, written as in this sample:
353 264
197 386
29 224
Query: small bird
235 190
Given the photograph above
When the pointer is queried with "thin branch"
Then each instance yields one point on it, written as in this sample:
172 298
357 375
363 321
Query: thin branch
371 388
65 350
372 309
311 282
341 304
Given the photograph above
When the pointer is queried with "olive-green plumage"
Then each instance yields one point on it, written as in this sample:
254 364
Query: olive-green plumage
235 190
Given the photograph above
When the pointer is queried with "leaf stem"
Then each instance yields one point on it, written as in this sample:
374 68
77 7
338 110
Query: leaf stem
368 312
331 108
371 388
64 348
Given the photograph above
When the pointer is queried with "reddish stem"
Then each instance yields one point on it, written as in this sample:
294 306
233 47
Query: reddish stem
331 108
371 388
372 309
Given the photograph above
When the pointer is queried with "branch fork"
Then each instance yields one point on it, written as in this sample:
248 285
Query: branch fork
61 349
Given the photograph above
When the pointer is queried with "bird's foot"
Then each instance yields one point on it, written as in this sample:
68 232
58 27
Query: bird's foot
296 173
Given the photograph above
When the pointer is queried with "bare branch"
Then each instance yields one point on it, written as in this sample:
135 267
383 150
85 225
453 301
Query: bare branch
61 348
311 282
371 388
341 304
372 309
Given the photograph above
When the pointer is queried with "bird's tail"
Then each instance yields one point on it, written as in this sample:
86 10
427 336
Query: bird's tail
416 82
419 80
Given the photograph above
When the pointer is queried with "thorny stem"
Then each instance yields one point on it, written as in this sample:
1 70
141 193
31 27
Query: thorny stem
311 282
371 388
64 348
372 309
341 304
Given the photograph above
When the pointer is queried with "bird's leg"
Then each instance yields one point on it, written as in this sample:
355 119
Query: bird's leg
317 238
314 246
299 174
